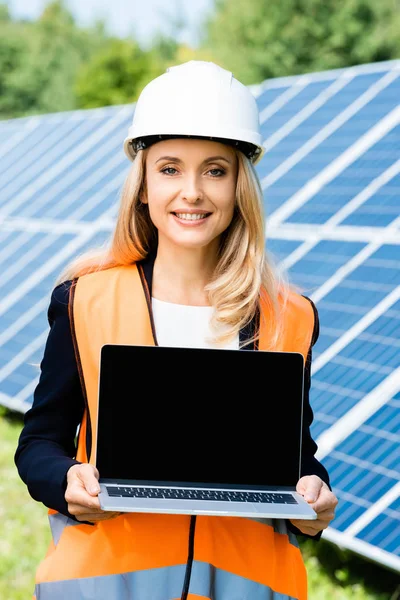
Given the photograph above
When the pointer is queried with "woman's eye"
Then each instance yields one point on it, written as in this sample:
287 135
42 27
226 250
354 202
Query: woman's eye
217 172
168 169
213 172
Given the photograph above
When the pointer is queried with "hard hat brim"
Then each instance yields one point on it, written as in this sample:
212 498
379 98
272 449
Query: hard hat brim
253 152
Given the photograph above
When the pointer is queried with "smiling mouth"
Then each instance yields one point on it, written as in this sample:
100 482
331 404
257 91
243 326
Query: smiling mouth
191 216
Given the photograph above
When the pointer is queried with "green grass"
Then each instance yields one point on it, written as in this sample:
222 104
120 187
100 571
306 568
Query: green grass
24 532
24 535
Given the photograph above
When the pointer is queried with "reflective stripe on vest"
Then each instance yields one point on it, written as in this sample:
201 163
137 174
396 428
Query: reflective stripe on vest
161 584
134 555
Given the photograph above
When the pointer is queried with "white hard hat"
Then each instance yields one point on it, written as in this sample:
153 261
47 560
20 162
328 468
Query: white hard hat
196 99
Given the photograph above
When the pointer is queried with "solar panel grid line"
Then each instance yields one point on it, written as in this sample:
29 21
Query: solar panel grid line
67 198
382 526
91 180
27 391
287 81
96 113
384 263
352 264
362 364
356 329
376 554
18 137
325 95
337 390
29 315
352 499
66 161
369 485
372 188
68 251
26 317
41 141
282 99
358 414
345 270
43 226
26 258
364 454
53 201
107 221
98 154
330 128
357 310
387 435
341 214
389 234
11 247
113 186
13 403
43 160
20 358
302 232
369 465
313 186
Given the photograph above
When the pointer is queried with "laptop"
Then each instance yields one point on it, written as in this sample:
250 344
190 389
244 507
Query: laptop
200 431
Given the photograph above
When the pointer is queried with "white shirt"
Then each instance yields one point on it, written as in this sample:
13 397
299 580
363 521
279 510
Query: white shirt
185 326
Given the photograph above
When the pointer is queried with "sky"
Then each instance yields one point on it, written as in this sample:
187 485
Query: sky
141 18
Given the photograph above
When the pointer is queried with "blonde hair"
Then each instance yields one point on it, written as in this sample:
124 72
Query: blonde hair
244 275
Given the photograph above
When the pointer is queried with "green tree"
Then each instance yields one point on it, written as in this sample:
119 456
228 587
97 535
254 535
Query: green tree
115 74
14 97
259 39
119 71
39 61
62 49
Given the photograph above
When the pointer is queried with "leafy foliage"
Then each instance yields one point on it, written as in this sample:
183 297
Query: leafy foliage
53 65
115 75
39 61
259 39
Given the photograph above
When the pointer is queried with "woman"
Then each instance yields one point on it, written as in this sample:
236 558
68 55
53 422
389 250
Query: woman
189 240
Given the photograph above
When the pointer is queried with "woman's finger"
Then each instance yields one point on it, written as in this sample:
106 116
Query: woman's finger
89 475
94 517
76 508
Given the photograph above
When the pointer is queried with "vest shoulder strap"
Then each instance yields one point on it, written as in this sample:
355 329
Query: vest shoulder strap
295 325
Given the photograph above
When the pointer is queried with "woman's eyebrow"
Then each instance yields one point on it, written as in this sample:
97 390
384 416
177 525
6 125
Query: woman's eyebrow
206 160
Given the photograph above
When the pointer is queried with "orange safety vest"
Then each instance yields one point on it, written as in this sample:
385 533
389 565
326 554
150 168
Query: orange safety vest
139 556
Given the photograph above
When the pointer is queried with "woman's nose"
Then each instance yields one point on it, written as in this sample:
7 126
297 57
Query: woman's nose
191 190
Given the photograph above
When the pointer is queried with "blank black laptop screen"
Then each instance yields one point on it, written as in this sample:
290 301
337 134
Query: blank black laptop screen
196 415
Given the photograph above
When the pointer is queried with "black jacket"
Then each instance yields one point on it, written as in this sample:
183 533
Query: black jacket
47 443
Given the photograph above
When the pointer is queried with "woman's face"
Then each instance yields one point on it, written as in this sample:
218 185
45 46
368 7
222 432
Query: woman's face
191 187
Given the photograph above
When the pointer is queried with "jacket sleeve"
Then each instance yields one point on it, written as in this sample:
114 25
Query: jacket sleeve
310 465
46 446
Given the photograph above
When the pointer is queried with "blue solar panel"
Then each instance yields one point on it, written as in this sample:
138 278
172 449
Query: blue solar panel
370 456
268 96
331 185
352 181
293 107
278 249
380 531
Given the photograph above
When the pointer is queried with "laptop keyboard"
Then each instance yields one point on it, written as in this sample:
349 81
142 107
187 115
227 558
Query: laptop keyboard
200 494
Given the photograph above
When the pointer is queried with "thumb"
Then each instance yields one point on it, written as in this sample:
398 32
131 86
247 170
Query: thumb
89 476
309 486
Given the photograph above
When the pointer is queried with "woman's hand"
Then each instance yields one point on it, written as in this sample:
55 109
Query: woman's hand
321 499
81 494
